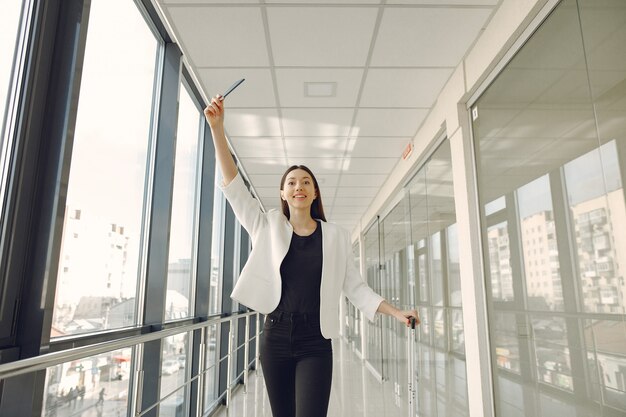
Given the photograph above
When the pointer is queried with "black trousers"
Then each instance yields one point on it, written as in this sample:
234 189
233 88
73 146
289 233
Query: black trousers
297 364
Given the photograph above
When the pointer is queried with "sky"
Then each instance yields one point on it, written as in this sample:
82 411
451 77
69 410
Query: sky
9 19
109 158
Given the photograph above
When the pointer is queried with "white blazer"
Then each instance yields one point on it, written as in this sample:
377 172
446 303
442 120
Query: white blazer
259 286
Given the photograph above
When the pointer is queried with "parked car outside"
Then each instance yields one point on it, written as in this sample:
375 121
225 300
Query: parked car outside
169 366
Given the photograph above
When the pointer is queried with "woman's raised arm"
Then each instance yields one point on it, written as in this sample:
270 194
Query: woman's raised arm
214 114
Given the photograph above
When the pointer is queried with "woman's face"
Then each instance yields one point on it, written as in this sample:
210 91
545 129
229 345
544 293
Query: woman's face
298 190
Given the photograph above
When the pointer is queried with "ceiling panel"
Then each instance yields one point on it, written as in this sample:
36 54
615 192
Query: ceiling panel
362 180
256 90
352 201
407 36
315 146
382 147
325 1
442 3
321 36
271 166
198 26
253 147
291 86
388 122
319 165
252 122
357 191
403 87
208 1
387 61
369 165
317 122
349 210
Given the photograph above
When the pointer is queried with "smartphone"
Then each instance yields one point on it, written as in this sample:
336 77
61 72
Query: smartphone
231 88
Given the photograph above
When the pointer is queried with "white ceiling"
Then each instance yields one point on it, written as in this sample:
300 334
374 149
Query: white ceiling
389 60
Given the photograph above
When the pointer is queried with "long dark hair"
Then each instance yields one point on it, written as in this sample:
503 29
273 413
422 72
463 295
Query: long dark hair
317 208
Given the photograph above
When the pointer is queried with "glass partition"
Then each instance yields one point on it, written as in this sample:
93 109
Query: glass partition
550 140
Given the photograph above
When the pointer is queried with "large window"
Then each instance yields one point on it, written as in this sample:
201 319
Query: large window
99 262
181 271
551 156
9 70
9 25
97 385
174 375
217 246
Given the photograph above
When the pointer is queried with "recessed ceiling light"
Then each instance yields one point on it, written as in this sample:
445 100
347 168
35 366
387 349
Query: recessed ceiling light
320 89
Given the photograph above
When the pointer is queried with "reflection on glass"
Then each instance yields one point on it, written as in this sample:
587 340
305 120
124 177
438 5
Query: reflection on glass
436 269
495 206
424 327
552 352
499 267
606 359
551 136
99 260
505 342
439 324
422 275
458 334
454 269
354 313
180 271
600 244
97 385
539 246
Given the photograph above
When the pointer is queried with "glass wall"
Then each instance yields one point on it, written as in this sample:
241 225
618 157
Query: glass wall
413 253
181 273
394 243
99 261
550 139
353 316
433 282
373 330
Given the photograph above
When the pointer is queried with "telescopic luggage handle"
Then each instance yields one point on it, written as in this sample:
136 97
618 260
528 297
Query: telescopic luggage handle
412 370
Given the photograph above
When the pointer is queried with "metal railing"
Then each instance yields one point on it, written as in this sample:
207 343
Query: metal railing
45 361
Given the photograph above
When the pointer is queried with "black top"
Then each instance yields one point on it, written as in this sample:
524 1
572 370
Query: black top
301 273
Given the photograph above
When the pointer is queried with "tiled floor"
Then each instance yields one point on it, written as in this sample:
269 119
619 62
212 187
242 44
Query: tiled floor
355 392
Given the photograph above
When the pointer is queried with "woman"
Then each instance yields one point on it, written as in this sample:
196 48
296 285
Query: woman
298 267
